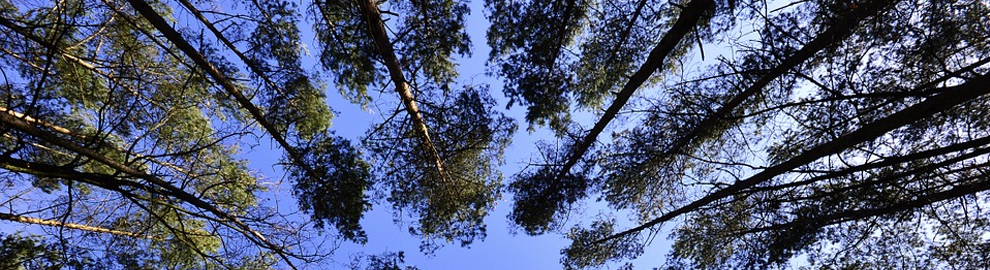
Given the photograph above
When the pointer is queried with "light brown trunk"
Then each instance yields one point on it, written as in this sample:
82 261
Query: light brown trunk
377 30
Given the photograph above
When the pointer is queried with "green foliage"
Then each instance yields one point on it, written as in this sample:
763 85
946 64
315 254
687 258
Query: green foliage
295 101
542 198
529 40
710 146
180 241
835 209
449 202
301 106
226 182
348 50
277 38
384 261
552 185
470 140
428 34
585 253
337 196
555 56
823 134
20 252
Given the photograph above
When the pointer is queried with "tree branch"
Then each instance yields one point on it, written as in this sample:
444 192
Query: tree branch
56 223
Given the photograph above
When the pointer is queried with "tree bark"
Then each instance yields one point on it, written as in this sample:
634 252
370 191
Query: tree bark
687 20
173 36
376 28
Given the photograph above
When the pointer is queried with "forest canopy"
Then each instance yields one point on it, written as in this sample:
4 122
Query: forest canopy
759 134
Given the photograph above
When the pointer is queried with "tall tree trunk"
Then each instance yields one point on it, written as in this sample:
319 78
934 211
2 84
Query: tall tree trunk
687 20
228 86
369 8
230 45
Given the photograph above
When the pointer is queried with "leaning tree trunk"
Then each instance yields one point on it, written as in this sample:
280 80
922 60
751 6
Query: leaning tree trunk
376 28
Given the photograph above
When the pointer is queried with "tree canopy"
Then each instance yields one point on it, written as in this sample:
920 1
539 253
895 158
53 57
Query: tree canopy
761 134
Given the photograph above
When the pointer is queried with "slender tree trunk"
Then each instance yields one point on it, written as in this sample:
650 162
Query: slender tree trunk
890 161
369 8
624 35
687 20
173 36
568 9
230 45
